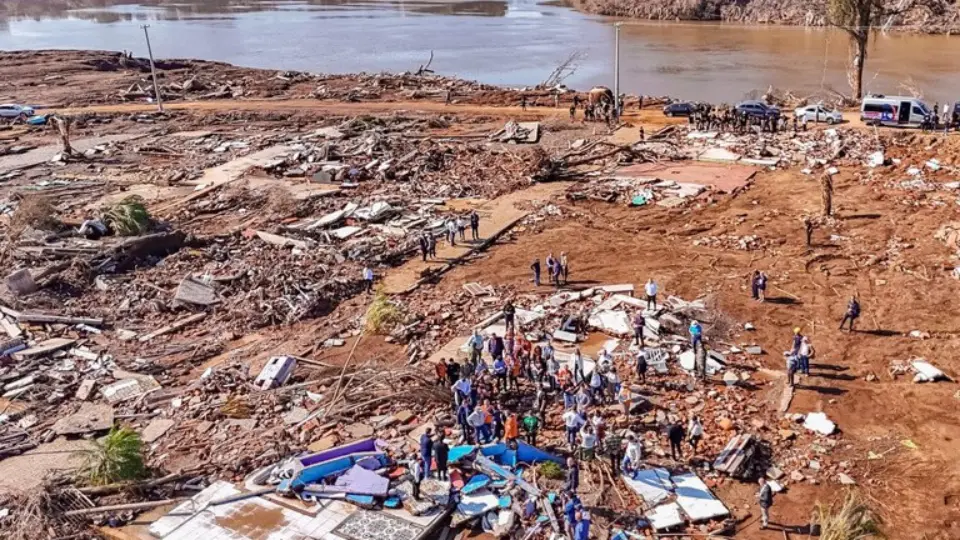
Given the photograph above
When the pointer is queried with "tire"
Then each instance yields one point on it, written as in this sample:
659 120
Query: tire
831 121
669 114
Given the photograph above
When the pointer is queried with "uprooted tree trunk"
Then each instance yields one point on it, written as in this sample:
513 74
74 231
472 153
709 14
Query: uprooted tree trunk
826 194
63 128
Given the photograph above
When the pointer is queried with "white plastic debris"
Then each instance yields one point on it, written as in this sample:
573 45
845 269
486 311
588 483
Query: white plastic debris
819 423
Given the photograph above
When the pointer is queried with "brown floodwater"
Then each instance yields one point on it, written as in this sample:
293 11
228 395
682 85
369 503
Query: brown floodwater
515 42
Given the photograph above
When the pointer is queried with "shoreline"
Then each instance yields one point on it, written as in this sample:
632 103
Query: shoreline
751 15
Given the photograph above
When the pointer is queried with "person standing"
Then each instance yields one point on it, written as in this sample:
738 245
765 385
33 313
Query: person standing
368 278
853 312
426 450
462 389
651 290
536 271
570 509
765 500
452 231
803 356
573 476
523 103
792 363
511 429
476 349
441 370
423 247
556 274
696 335
475 225
695 432
531 425
442 453
550 264
613 448
642 366
573 421
478 423
432 246
675 434
578 375
462 228
582 529
633 458
588 443
453 371
638 324
415 468
496 347
509 314
500 372
463 412
564 267
755 285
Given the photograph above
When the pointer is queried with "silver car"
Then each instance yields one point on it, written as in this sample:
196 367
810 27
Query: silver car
818 113
10 110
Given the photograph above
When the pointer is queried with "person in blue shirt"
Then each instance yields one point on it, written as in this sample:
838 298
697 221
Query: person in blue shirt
582 530
570 511
696 335
500 372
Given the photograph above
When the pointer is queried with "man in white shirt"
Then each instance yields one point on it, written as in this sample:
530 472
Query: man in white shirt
573 421
634 454
695 432
588 443
651 289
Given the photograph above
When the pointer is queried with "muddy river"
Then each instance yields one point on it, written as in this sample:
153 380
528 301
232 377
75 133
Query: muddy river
517 42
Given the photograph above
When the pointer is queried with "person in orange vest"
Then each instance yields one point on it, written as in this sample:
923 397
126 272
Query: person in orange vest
511 430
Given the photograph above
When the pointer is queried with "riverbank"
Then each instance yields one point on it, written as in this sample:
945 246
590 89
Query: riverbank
942 18
271 202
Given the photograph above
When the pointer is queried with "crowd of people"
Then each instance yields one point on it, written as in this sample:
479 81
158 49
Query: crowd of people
531 375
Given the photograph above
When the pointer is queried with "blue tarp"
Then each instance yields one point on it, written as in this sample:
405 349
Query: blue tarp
500 453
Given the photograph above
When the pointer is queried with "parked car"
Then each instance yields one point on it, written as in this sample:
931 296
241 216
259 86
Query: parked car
10 110
757 108
818 113
680 108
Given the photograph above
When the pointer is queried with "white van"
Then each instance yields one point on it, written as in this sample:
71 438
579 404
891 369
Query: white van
893 111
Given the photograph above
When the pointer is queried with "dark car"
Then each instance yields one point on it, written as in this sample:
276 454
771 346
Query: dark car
757 108
681 108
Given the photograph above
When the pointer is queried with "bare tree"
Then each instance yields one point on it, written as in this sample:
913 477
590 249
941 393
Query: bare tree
856 18
63 128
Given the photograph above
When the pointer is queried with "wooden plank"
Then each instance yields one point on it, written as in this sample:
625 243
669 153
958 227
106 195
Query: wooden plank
44 347
57 319
173 327
281 241
786 398
10 328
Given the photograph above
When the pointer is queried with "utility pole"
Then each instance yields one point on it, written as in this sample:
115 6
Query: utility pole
153 70
616 72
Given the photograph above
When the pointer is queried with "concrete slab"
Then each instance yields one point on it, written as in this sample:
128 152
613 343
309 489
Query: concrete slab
723 177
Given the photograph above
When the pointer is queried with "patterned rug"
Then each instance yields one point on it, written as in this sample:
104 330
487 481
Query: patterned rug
364 525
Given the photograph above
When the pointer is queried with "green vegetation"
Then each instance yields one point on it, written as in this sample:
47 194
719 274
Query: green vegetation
117 457
383 315
551 471
128 217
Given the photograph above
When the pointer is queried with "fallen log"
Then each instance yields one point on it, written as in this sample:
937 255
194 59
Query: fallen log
57 319
119 507
173 327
